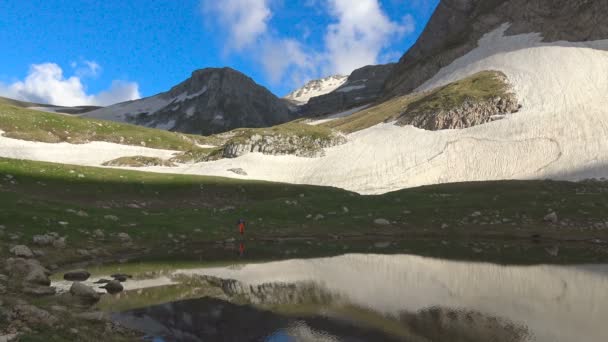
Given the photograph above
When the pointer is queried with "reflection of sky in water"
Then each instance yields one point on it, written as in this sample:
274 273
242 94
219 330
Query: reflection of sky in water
280 336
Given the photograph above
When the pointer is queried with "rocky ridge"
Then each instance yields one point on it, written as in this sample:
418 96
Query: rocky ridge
363 86
457 25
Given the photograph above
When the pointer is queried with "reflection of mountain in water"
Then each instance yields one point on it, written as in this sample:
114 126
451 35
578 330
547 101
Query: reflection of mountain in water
553 303
210 319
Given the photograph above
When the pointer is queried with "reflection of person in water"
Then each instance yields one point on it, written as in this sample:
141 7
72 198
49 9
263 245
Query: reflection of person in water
241 249
241 225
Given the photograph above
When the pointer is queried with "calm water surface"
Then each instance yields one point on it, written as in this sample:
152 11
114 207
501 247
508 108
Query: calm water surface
381 298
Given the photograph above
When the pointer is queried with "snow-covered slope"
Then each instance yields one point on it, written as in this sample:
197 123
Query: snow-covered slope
560 132
555 303
316 88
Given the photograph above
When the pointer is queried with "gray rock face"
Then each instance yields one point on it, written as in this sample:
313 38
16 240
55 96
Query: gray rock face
301 146
468 115
211 101
363 86
457 25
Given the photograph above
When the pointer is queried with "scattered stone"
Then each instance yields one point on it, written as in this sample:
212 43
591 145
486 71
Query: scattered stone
59 243
477 250
319 217
113 287
124 237
476 214
309 216
22 251
38 253
82 213
28 276
551 217
63 223
84 294
77 275
445 226
98 233
43 240
345 210
382 244
111 218
382 222
553 251
34 315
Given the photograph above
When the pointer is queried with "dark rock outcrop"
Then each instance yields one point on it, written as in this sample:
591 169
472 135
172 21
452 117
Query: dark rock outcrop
469 114
211 101
457 25
363 86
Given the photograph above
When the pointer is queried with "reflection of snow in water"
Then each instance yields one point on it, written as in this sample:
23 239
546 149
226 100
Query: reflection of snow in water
555 303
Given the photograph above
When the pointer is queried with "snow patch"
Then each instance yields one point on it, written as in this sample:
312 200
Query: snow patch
348 89
91 154
316 88
335 116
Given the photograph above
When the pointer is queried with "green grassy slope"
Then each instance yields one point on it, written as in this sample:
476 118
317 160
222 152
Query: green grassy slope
478 87
184 214
26 124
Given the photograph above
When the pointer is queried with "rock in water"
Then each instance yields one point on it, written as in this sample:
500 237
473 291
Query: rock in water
113 287
84 294
102 281
77 275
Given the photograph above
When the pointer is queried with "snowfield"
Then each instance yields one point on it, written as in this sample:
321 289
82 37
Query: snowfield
91 154
317 88
560 133
529 296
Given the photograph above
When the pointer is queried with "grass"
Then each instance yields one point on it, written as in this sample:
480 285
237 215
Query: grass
169 214
479 87
138 161
32 125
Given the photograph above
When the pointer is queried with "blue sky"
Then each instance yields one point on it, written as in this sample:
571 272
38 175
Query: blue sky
100 52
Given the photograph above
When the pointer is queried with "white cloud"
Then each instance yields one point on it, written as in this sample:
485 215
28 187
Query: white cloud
87 69
244 20
45 83
360 34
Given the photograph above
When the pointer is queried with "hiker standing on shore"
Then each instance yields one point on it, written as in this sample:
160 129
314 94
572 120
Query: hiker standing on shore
241 225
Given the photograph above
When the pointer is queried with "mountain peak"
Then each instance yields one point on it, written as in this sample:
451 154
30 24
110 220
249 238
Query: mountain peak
316 88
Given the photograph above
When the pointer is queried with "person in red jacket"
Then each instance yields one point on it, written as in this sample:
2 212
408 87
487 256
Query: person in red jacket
241 225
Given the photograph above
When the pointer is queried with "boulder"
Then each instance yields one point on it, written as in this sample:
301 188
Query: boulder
113 287
124 237
28 276
34 315
77 275
22 251
84 294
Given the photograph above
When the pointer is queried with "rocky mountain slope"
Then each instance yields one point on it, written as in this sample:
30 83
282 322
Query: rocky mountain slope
362 87
210 101
457 25
316 88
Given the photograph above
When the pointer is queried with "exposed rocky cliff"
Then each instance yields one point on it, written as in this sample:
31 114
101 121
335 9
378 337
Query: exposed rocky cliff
457 25
363 86
211 101
301 146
